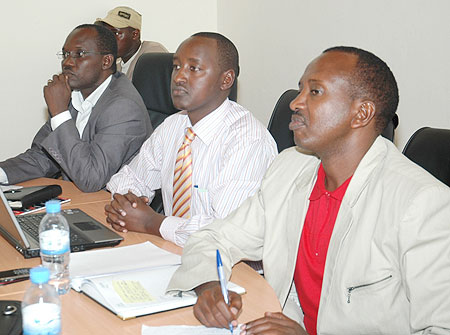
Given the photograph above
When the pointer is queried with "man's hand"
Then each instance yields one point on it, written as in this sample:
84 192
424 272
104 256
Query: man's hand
57 94
129 212
211 309
273 324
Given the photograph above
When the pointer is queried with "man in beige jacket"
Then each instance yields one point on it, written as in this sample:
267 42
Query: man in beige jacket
126 24
344 220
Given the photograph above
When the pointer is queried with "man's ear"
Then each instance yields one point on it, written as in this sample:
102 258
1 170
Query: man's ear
227 80
365 113
136 34
107 61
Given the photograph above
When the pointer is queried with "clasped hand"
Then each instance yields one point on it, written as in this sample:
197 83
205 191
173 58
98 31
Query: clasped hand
57 94
212 311
129 212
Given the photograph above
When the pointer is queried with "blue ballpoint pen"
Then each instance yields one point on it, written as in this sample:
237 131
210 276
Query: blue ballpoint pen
223 282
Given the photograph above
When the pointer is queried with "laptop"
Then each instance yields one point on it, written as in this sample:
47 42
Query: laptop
23 231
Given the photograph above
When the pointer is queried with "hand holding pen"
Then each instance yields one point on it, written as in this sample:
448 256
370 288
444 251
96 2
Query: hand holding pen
223 283
211 309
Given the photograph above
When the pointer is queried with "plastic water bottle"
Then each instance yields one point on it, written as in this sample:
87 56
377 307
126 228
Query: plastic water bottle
54 242
41 308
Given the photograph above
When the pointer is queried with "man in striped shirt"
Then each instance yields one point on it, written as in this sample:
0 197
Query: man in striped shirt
207 159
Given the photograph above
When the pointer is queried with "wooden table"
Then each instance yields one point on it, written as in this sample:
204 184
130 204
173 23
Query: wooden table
70 191
81 315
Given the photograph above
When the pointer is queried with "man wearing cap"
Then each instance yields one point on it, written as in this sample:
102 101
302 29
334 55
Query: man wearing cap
126 24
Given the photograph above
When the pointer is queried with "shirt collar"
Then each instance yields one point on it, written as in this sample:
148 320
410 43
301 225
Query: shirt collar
207 128
82 105
123 64
320 190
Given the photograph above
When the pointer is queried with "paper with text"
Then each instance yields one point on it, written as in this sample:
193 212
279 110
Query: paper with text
118 260
131 291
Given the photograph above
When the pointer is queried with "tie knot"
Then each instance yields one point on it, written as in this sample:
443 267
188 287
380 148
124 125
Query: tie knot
190 135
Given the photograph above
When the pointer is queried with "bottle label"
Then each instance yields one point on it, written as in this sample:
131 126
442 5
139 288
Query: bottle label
54 242
42 318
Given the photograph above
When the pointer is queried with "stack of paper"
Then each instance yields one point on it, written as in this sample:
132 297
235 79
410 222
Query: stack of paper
130 281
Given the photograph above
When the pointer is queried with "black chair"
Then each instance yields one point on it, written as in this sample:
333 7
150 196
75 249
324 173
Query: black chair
281 116
279 121
152 78
430 148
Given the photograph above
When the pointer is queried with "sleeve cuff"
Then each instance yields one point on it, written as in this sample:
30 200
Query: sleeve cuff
59 119
3 177
169 227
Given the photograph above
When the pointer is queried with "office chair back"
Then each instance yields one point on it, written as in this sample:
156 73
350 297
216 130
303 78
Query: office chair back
279 121
151 77
430 148
281 116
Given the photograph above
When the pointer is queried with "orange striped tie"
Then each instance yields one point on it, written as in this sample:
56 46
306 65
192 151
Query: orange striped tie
182 183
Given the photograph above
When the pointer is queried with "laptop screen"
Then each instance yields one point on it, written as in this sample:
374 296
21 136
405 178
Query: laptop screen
9 224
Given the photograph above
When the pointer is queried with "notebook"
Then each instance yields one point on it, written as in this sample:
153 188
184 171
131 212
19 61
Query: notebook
131 289
22 232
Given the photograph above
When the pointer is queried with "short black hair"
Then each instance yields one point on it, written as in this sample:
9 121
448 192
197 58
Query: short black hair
226 50
106 41
373 79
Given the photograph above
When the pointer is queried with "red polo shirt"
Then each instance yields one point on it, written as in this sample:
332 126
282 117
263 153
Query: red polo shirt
312 252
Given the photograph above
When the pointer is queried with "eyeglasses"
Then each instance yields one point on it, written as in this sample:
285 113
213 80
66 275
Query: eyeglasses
78 54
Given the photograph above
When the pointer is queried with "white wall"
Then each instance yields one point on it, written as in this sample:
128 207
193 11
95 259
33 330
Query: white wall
33 31
277 39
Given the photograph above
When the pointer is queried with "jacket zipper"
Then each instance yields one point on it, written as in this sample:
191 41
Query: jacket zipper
352 288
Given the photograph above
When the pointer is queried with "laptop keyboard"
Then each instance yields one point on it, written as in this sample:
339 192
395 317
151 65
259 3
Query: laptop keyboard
30 224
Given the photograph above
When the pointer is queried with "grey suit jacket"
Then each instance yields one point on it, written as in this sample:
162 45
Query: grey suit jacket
388 262
117 127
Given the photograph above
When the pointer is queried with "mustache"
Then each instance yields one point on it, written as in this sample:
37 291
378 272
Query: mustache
67 69
178 85
181 87
297 115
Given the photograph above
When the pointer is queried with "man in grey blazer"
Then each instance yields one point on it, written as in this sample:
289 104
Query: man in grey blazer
344 222
126 25
97 122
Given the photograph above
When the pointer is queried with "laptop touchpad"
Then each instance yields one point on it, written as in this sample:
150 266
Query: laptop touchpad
84 226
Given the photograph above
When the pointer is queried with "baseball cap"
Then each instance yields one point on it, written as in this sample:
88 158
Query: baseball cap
122 17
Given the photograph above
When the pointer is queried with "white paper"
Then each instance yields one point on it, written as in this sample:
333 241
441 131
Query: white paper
132 280
137 293
141 292
186 330
118 260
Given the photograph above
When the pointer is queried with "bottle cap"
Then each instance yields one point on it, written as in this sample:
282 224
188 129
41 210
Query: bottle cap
39 275
53 206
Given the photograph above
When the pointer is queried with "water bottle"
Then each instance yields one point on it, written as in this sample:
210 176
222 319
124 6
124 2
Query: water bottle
54 242
41 308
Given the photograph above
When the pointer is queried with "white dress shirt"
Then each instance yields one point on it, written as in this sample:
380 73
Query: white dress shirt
84 108
230 154
3 177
